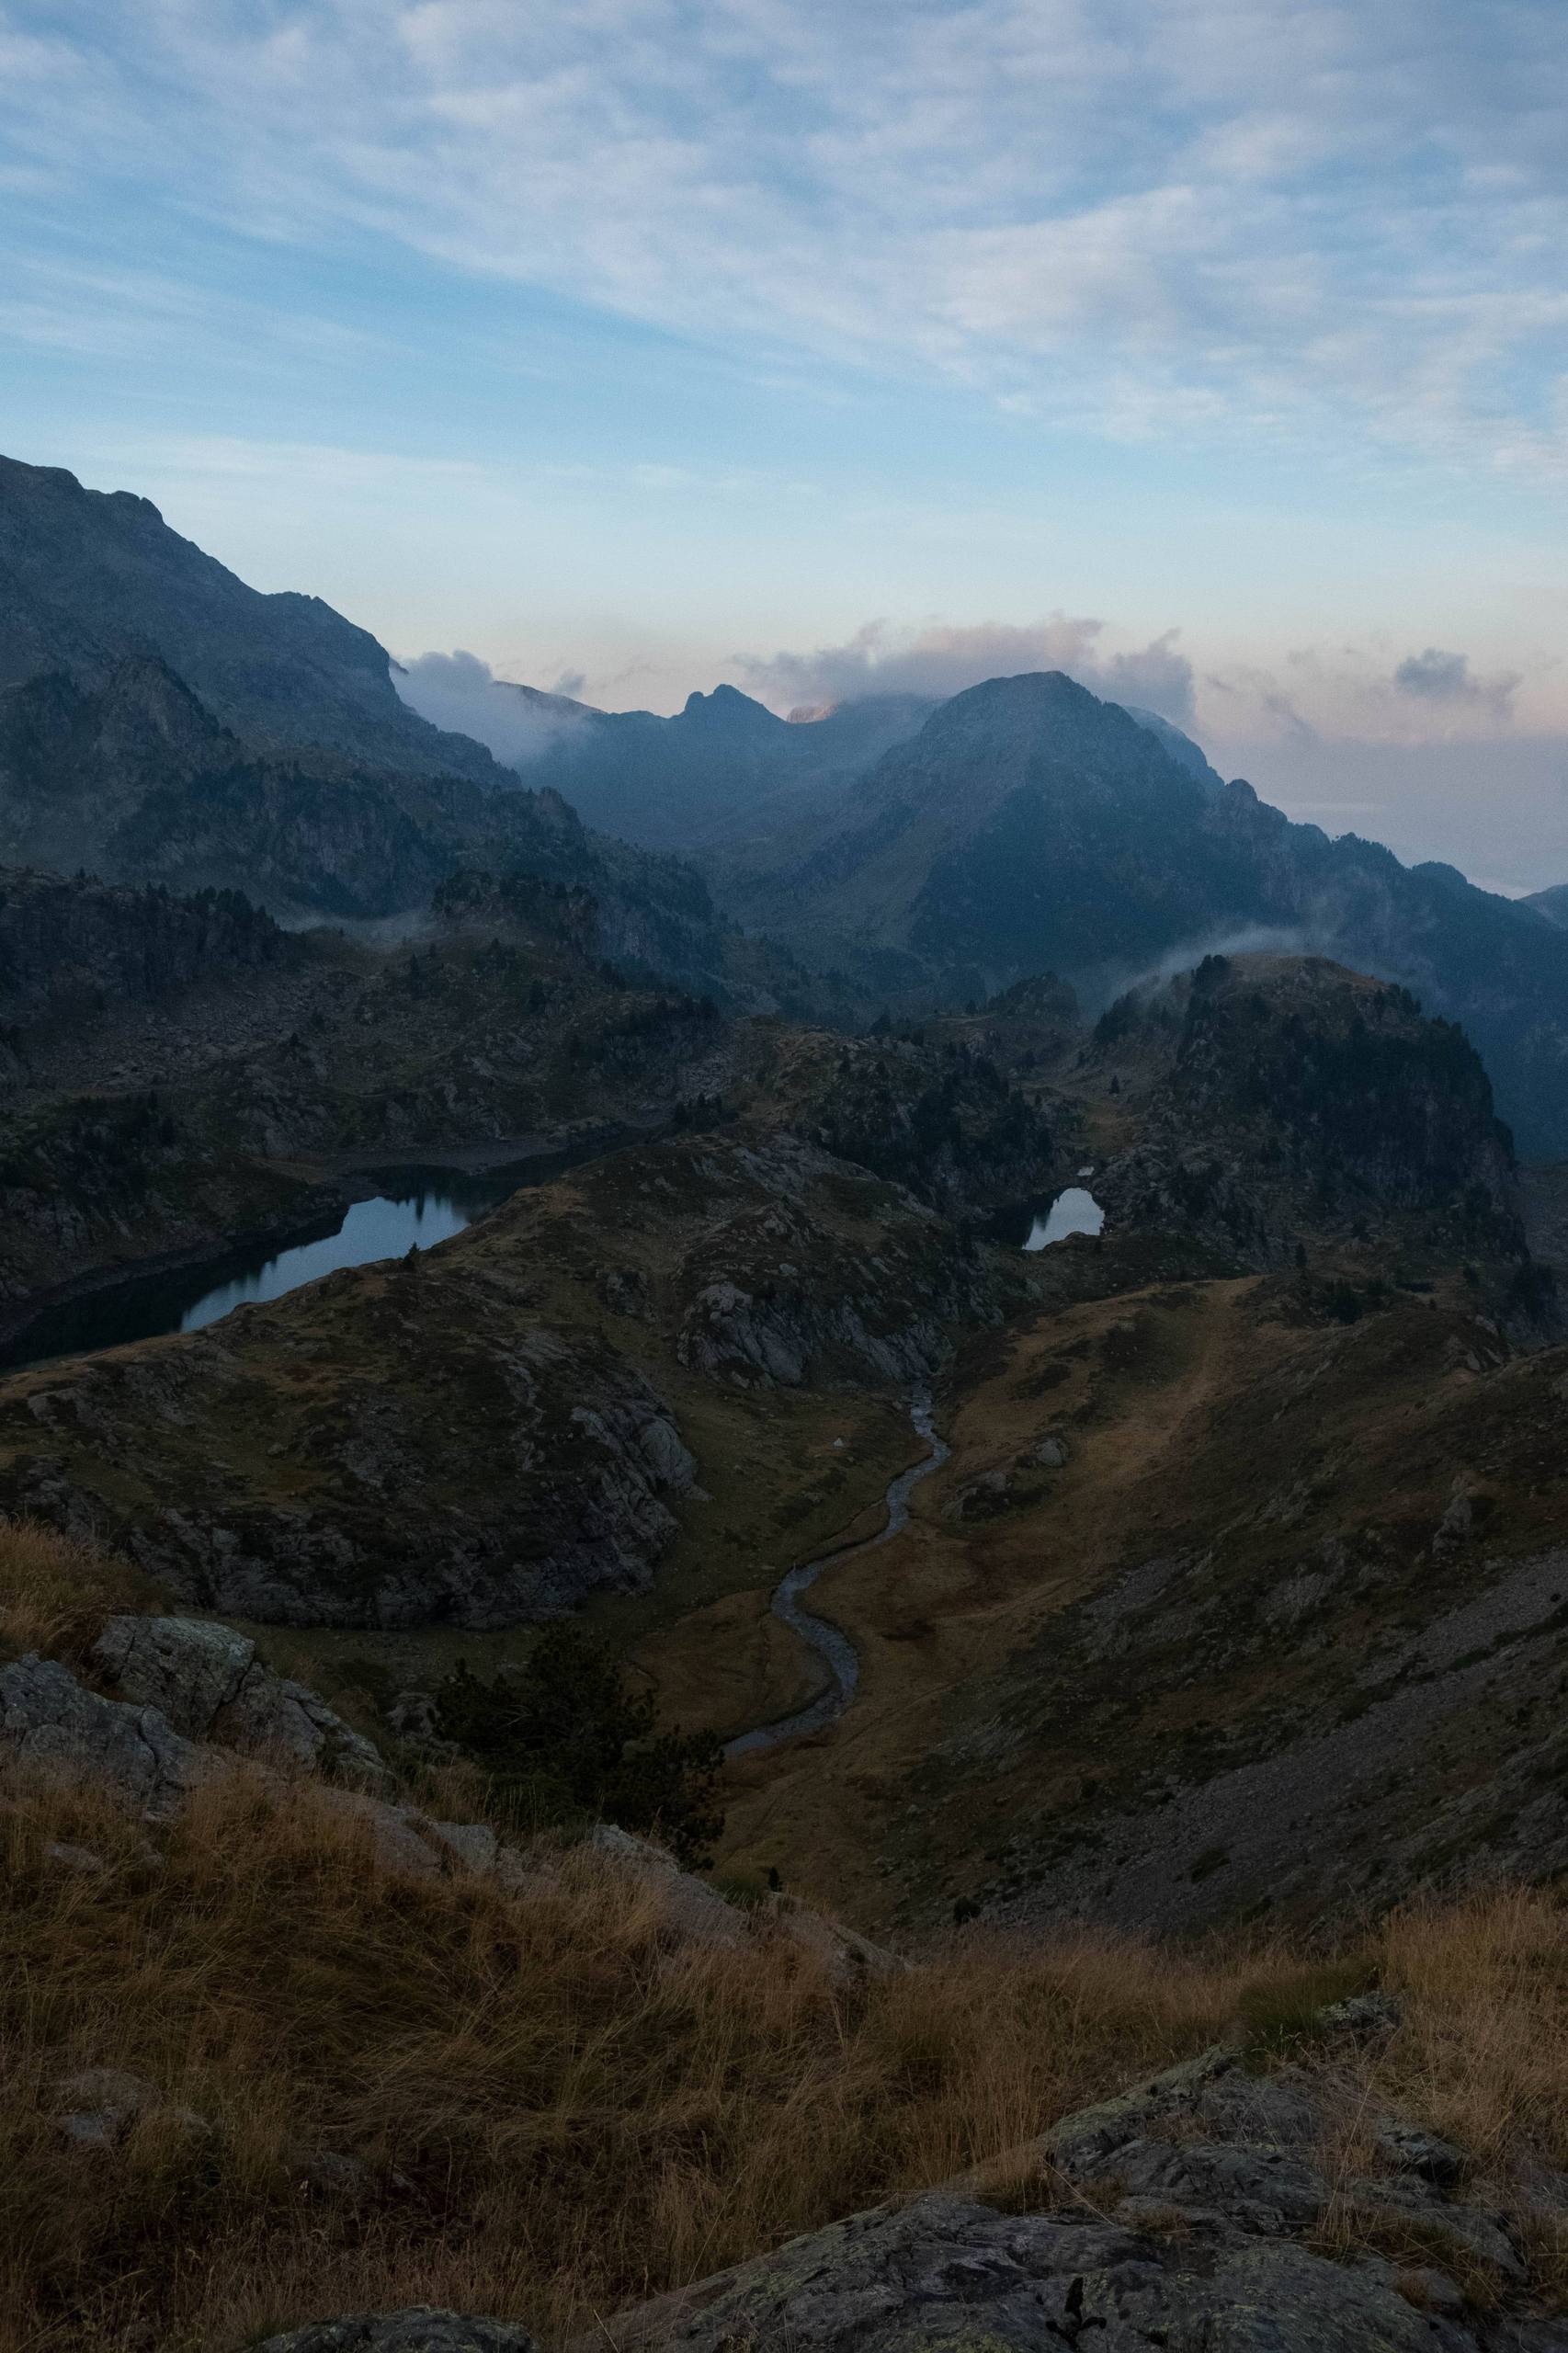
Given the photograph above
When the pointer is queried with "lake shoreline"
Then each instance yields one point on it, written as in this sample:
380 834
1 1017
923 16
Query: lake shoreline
341 1181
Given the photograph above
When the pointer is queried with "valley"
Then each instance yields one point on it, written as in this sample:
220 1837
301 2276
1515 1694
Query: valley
928 1363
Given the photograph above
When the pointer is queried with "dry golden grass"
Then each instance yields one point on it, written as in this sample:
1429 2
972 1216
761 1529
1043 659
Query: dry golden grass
562 2105
55 1592
1482 2054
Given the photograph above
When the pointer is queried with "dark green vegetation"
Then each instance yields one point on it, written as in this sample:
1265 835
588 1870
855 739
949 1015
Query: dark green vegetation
181 1073
564 1741
1279 1097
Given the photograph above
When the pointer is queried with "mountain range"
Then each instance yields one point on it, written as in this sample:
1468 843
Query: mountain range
1189 1657
164 722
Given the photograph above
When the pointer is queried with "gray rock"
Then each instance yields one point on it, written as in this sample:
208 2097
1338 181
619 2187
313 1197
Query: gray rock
1367 2016
186 1667
334 2175
1193 2192
1407 2147
1052 1451
954 2273
472 1844
692 1906
78 1860
415 1716
424 2330
208 1682
49 1725
97 2104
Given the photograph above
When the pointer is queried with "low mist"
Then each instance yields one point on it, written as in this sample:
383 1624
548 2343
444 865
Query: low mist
459 692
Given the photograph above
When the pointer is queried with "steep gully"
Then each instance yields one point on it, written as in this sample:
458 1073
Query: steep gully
829 1642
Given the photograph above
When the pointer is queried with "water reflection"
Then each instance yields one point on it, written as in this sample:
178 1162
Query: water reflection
385 1228
418 1206
1074 1212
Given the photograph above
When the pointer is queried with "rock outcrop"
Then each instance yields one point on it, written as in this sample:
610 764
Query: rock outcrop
210 1684
1287 1097
50 1724
424 2330
1196 2212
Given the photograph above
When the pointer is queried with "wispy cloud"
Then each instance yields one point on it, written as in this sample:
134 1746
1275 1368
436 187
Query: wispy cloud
1152 217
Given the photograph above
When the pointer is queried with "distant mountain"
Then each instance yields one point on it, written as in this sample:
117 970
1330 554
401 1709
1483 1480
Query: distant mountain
161 723
136 781
723 766
1027 827
1552 904
88 578
726 770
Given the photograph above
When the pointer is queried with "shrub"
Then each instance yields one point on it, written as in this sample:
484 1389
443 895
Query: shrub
566 1737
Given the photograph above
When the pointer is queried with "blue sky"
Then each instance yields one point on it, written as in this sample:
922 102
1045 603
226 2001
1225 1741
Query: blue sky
1215 349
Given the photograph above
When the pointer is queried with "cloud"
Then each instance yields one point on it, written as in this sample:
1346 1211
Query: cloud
940 660
1144 219
1329 694
461 692
1437 675
1441 677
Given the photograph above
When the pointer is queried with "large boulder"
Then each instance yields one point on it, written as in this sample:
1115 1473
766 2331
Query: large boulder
50 1724
210 1683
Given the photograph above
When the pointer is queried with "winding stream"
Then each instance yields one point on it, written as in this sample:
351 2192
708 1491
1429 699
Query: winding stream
828 1641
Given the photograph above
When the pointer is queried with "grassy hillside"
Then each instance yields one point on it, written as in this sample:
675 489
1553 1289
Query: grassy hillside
366 2089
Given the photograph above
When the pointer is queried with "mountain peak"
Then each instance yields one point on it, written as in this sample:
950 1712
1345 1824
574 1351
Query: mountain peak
88 577
727 708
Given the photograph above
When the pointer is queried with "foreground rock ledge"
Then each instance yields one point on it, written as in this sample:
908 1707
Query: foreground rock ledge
1180 2216
423 2330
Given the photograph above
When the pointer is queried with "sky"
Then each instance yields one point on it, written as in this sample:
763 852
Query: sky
1216 350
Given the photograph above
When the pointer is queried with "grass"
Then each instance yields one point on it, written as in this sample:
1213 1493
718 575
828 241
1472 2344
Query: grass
56 1591
560 2104
556 2105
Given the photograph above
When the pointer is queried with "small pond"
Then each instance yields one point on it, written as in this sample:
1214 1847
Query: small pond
1033 1225
1074 1212
415 1208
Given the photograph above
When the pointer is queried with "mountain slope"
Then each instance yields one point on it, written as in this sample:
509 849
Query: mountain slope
135 780
722 766
88 577
1031 827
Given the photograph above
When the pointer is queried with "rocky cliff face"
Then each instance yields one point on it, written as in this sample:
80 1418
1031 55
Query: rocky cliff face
1281 1100
135 780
